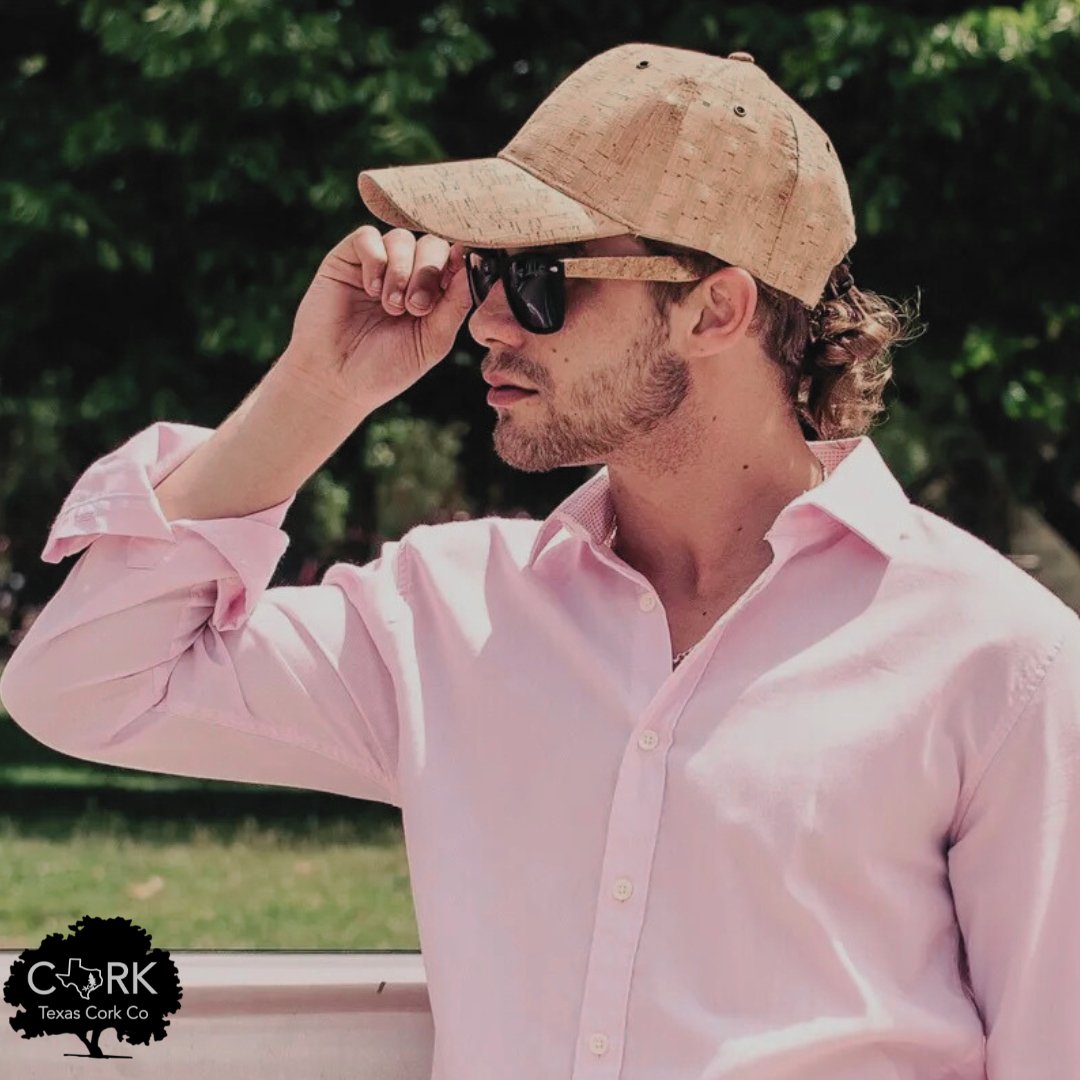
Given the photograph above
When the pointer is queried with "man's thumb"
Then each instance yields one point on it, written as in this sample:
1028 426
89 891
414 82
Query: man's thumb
449 312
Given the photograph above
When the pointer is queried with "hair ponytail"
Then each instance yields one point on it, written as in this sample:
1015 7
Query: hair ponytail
846 359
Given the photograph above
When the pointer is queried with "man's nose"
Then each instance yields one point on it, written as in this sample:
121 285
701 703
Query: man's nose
493 321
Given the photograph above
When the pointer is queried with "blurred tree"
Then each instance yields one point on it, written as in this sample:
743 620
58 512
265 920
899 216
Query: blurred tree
172 173
171 176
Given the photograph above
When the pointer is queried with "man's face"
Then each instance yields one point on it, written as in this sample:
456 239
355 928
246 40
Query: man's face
607 382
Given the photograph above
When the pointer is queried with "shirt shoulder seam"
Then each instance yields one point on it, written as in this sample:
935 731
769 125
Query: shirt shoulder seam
1037 680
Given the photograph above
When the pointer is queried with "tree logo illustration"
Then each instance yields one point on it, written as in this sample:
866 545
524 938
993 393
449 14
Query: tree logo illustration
103 975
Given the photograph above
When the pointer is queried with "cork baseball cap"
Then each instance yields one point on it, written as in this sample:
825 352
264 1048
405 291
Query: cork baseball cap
680 146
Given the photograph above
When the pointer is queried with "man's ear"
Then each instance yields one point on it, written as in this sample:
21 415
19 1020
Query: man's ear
716 314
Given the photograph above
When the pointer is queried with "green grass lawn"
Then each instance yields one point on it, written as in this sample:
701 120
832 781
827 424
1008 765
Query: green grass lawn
200 864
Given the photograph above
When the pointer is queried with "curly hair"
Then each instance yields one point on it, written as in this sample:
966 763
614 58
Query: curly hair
834 360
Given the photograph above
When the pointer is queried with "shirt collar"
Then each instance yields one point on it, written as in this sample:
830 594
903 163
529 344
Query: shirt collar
860 492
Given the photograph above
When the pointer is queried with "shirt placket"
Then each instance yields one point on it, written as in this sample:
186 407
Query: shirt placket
633 827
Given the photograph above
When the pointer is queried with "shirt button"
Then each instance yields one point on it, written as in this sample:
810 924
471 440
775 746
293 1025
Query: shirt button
598 1042
647 601
623 889
648 739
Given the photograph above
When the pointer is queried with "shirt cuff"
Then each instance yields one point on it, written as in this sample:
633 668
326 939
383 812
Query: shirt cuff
115 496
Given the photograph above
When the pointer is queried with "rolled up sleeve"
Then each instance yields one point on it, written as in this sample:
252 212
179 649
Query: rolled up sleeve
115 496
1014 868
165 650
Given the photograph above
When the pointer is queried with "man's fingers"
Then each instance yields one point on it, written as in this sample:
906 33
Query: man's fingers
398 264
400 245
356 260
428 262
367 243
454 264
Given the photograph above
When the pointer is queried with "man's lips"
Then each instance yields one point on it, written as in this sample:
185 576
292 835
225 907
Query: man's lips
501 381
506 395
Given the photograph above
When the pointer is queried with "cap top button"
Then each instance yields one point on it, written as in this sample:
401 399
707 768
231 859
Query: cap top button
741 56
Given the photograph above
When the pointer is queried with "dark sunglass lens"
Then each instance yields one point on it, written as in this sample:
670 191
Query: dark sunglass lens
483 271
538 287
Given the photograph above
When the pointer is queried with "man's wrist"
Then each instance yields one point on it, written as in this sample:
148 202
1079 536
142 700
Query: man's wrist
315 387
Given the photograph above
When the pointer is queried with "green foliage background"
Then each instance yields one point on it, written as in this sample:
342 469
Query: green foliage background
171 174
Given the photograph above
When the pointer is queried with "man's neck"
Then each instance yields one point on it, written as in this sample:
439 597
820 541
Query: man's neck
693 532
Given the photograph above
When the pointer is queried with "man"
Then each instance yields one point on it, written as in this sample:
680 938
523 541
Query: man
739 765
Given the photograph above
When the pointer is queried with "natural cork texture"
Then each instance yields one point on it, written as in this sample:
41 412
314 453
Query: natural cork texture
702 151
634 267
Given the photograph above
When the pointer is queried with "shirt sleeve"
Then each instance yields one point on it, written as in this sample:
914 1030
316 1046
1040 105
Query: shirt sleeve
1014 868
165 650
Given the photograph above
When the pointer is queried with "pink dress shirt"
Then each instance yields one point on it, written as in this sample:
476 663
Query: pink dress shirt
841 841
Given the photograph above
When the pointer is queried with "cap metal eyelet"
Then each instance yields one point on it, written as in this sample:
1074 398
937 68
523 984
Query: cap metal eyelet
643 64
739 110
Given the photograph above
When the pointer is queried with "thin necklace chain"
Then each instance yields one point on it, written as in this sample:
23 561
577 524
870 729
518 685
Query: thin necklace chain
610 541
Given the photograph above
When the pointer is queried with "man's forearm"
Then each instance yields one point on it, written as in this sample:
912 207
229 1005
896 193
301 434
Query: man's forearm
263 452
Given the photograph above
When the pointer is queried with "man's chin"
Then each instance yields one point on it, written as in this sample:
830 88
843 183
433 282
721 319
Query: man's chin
531 459
523 462
524 457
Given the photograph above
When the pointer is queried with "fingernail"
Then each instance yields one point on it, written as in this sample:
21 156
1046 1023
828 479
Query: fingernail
421 300
376 286
395 299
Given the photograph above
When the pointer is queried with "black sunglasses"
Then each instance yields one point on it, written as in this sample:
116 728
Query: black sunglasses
535 281
535 285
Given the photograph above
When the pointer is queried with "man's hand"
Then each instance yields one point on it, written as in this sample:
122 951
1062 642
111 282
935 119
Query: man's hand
381 311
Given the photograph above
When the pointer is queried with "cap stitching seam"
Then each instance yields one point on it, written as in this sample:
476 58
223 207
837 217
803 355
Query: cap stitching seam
790 195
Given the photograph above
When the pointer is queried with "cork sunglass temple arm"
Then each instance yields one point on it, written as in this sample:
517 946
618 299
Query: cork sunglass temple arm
633 267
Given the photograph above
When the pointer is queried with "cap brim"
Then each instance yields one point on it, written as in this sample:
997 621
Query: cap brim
484 202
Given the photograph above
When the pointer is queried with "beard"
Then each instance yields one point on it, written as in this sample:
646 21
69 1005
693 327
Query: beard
610 411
